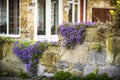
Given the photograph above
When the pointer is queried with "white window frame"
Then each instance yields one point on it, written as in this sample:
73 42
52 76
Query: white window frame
7 34
48 36
73 10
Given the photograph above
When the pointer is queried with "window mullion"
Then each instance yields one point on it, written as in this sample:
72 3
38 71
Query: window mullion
78 11
48 19
73 13
7 17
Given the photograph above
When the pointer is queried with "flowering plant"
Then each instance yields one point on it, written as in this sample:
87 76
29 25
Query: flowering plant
116 15
29 53
73 33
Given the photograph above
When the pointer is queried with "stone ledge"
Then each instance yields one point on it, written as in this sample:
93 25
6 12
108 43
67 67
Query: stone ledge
110 70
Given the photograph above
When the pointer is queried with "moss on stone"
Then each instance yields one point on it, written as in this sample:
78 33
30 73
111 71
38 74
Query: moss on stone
1 51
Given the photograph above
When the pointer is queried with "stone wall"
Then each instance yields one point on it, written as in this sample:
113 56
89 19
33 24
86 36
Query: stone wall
9 61
26 20
65 13
80 61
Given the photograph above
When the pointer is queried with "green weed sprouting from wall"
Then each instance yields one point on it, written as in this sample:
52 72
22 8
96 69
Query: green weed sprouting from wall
6 40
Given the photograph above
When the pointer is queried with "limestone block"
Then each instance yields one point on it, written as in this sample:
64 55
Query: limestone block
110 70
40 70
89 69
49 59
113 49
98 58
78 66
79 54
62 64
10 61
117 60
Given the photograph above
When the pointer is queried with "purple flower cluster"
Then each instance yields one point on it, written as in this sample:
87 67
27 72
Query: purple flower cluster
29 54
72 34
89 24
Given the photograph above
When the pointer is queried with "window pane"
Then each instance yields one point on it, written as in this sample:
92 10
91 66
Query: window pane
41 18
76 13
13 16
70 13
3 16
54 16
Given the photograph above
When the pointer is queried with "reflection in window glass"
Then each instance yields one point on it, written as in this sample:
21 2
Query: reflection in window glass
76 12
3 16
41 18
54 16
13 16
70 13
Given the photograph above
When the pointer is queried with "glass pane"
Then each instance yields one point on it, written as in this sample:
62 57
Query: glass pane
70 13
3 16
76 13
13 16
41 17
54 16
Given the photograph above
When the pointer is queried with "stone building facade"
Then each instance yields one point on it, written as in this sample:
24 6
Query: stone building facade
47 17
79 61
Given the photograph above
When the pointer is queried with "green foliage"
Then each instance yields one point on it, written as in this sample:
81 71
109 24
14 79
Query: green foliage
114 45
116 16
61 75
6 39
22 74
92 76
95 71
96 47
4 73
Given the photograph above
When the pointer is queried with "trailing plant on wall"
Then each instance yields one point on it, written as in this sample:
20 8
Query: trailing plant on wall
6 39
73 34
116 16
29 53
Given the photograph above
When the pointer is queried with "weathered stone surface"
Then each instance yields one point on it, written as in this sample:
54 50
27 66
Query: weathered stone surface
113 49
50 69
40 70
110 70
89 69
117 60
97 57
48 74
62 64
54 49
65 15
78 66
78 73
10 61
49 59
79 54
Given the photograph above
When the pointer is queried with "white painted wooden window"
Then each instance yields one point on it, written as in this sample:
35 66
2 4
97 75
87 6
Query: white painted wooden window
74 11
47 18
9 18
